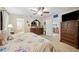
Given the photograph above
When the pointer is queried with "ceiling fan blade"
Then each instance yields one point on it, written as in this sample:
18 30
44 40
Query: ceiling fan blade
46 12
33 10
34 13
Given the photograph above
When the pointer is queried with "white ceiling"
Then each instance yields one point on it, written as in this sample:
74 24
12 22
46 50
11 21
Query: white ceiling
27 10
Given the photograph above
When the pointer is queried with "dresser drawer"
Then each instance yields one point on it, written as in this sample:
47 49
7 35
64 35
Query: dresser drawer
38 31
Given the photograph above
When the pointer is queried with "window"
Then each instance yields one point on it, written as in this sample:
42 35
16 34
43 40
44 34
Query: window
20 24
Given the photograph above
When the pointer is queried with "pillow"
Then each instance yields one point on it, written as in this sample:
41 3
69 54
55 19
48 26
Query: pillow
18 34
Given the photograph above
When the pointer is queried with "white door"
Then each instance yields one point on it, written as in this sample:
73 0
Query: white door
49 30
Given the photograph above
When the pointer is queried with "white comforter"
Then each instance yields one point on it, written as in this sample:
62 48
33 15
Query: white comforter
27 42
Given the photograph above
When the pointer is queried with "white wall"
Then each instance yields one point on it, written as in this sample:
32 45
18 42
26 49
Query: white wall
49 29
13 21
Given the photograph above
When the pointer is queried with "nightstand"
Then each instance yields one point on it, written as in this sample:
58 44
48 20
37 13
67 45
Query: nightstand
10 36
11 32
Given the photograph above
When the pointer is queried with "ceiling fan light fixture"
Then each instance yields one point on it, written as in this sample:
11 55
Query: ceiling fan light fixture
40 12
34 9
45 9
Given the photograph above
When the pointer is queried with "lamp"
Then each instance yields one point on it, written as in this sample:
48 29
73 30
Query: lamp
10 26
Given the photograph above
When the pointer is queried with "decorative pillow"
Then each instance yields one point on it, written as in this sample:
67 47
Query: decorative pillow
3 49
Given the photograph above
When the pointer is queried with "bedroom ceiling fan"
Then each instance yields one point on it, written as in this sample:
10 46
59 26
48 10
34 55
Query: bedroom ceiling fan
40 11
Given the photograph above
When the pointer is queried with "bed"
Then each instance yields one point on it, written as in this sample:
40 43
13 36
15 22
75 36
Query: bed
27 42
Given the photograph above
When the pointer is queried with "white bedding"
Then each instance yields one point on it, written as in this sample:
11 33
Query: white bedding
27 42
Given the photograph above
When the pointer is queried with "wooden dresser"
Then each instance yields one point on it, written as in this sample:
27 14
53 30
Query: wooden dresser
38 31
70 33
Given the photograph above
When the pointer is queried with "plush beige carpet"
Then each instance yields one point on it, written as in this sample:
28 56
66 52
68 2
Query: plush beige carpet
60 46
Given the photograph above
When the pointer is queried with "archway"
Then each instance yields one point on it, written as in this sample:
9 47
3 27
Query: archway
35 23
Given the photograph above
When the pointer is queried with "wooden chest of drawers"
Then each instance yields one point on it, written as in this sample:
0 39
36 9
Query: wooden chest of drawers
38 31
70 33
